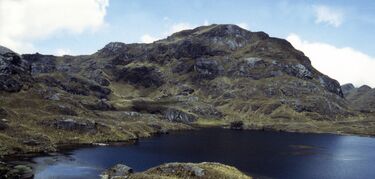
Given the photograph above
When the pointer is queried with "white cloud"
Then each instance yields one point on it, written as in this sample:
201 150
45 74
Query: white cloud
346 65
206 23
325 14
62 52
179 27
243 25
23 21
148 38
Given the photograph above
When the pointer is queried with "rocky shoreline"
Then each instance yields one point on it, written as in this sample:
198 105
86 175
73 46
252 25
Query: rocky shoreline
21 166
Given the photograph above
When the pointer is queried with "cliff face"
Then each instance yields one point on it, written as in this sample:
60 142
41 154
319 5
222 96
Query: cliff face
209 75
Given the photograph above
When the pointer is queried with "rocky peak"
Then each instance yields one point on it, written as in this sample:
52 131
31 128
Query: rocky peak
4 50
112 48
346 88
224 36
364 88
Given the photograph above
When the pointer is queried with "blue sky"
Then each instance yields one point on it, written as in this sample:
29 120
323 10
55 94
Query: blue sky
340 24
128 20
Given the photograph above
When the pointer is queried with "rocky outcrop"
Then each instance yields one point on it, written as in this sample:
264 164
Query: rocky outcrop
175 115
119 170
14 71
70 124
143 76
347 88
207 68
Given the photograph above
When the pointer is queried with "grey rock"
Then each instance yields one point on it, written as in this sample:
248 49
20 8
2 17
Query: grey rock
302 71
41 63
197 171
208 68
346 88
175 115
99 76
119 170
331 85
14 72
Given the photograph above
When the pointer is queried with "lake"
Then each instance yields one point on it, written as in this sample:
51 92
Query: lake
263 154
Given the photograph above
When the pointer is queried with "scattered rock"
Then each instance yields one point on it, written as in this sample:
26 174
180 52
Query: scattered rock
173 168
74 125
101 105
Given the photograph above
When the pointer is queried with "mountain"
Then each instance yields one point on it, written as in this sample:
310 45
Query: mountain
210 75
362 98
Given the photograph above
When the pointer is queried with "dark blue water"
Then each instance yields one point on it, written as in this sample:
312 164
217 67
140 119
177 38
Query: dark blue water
268 154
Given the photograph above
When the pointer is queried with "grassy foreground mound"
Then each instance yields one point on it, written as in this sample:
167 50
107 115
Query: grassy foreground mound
206 170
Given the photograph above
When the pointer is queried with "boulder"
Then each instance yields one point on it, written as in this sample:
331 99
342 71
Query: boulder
119 170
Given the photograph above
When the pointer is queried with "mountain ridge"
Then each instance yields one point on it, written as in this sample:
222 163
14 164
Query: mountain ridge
211 75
